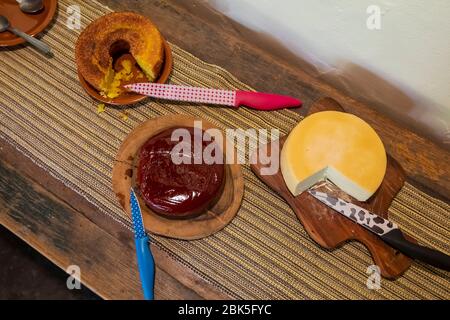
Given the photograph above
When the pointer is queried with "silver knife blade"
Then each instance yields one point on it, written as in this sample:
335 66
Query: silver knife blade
361 216
136 216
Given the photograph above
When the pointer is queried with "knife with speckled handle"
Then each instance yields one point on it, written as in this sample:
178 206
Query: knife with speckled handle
385 229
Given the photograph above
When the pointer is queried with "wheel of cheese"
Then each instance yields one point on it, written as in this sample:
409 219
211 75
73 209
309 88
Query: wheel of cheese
336 146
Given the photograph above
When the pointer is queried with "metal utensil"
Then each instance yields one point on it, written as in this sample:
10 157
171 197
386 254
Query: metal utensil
31 6
255 100
388 231
4 25
146 264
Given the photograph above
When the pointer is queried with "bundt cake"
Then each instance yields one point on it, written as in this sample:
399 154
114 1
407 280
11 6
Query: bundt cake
107 39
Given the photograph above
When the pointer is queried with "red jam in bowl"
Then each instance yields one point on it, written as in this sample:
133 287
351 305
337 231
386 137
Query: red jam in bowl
178 190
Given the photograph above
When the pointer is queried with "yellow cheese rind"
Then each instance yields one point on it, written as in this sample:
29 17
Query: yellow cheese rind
337 146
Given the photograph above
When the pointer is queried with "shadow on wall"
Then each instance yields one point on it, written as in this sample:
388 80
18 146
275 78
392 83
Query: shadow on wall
382 95
411 110
377 92
371 89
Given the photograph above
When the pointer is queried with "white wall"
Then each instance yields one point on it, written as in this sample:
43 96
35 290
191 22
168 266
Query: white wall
404 68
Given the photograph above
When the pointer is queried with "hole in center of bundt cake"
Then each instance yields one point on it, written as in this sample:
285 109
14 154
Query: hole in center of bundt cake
118 49
124 70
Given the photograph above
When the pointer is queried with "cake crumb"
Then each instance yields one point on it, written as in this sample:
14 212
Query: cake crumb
124 115
100 108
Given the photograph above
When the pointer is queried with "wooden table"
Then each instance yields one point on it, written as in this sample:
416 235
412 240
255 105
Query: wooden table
29 197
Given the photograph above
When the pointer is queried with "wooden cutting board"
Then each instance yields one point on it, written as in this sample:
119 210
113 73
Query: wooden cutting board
330 229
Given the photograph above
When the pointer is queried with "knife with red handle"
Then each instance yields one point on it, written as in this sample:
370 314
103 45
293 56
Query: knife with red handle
255 100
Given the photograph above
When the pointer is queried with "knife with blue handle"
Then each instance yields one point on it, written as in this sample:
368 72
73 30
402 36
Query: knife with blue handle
388 231
146 264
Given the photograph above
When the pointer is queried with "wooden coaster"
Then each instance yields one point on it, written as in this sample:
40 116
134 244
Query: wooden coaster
330 229
124 171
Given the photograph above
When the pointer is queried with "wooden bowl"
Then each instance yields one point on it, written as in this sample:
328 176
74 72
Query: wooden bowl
213 220
130 97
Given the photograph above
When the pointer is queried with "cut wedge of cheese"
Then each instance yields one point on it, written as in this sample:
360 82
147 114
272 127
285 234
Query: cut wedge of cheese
336 146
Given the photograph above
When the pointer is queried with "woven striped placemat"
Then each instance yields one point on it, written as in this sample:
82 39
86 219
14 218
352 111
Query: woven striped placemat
265 252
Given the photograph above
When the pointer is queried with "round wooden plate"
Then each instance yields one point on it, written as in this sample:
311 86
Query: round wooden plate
31 24
131 97
124 171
